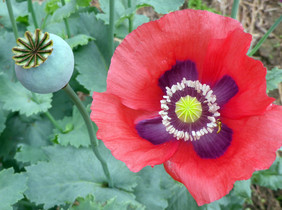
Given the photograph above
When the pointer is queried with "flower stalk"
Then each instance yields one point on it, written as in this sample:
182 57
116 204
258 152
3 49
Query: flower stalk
12 18
90 128
130 18
66 21
253 51
31 10
235 8
111 32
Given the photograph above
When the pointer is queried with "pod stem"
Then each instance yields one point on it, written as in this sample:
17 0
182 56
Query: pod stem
90 128
112 20
130 18
30 8
66 22
12 18
235 8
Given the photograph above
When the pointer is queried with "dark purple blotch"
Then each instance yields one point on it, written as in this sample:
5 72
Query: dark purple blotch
153 130
182 69
214 144
225 89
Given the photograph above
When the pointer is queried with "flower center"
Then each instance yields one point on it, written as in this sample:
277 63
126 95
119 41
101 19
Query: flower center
188 109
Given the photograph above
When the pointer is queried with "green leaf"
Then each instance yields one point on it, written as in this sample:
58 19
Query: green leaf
89 25
51 6
162 6
91 67
80 39
23 20
271 178
16 98
7 41
273 78
90 203
30 154
76 133
19 9
152 189
22 130
243 188
181 198
64 12
83 3
12 187
3 117
71 173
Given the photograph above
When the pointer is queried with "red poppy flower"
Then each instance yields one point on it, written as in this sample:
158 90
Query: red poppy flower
182 91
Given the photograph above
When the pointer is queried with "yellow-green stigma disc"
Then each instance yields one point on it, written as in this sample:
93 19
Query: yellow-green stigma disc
188 109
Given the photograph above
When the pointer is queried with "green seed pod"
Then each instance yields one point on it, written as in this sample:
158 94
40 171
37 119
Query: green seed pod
44 62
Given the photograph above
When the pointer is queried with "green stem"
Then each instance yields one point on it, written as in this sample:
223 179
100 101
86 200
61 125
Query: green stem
130 18
90 128
30 8
44 21
112 20
235 8
12 19
53 121
253 51
66 21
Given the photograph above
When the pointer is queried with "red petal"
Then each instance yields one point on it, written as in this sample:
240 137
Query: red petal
154 47
229 57
253 148
116 125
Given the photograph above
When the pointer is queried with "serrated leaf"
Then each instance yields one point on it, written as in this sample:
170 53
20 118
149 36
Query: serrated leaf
12 187
65 11
152 188
77 134
243 188
30 154
3 117
90 203
92 68
51 6
272 177
19 9
162 6
181 199
74 173
16 98
7 41
80 39
89 25
23 131
273 78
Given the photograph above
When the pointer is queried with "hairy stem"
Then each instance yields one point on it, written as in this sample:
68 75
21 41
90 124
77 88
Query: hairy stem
112 20
253 51
66 21
30 8
12 18
90 128
235 8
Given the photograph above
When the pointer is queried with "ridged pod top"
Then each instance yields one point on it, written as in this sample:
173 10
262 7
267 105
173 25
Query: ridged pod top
33 49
